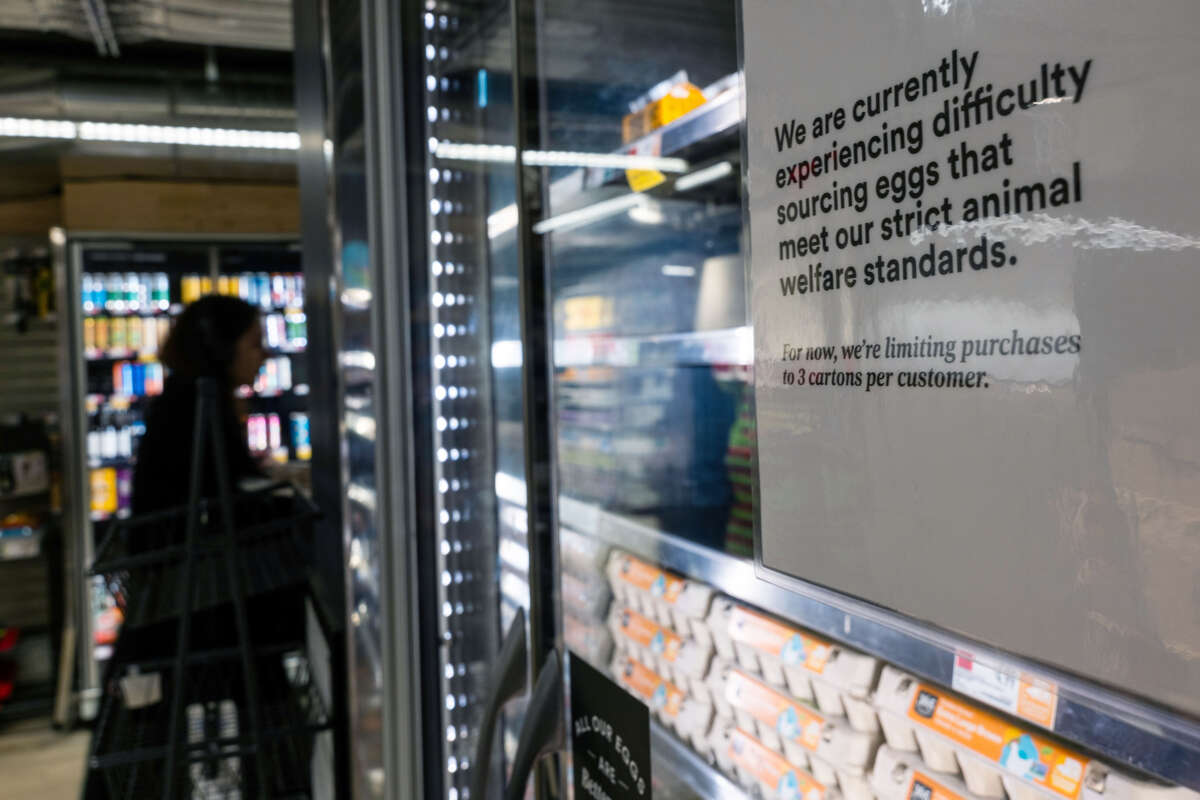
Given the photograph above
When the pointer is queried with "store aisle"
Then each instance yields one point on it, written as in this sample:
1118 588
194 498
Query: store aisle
36 761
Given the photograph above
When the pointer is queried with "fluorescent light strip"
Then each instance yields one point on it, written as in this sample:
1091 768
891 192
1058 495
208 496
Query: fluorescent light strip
27 128
37 128
702 176
592 213
507 154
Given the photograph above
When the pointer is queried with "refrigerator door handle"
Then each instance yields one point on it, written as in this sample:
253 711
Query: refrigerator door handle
542 732
510 681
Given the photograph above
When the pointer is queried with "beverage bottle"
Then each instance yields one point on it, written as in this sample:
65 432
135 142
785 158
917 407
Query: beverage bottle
277 290
93 446
109 443
301 438
99 292
102 328
124 440
249 286
139 379
162 291
118 329
274 434
133 290
206 285
88 296
114 288
189 288
284 371
264 290
124 490
127 378
89 333
133 333
149 335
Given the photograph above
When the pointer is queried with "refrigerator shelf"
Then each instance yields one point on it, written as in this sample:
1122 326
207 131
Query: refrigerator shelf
679 772
1117 728
734 346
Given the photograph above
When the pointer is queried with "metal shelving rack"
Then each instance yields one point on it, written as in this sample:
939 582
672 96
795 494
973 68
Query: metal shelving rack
207 255
1110 724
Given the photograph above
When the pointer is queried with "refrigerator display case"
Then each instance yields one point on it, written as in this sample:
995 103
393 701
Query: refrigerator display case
564 423
120 295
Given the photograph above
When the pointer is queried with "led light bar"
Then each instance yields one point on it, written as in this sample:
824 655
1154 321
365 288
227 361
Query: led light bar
26 128
507 154
713 172
592 213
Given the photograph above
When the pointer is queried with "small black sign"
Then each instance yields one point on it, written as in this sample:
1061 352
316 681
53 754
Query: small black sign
610 738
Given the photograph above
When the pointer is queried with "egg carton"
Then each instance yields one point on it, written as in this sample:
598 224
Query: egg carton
581 555
591 640
802 733
713 687
836 679
586 597
682 660
767 773
1016 761
899 775
665 597
664 699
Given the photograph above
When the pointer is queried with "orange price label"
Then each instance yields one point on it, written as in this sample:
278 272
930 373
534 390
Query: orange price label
772 769
1017 751
656 692
791 720
649 634
780 640
649 578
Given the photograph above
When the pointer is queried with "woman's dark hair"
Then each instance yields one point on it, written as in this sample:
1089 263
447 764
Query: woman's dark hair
203 341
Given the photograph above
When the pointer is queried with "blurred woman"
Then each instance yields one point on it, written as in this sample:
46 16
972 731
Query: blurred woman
215 337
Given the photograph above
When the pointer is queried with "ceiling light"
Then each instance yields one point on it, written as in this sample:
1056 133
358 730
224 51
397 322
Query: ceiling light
147 134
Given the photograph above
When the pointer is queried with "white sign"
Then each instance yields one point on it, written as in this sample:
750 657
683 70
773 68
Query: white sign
974 233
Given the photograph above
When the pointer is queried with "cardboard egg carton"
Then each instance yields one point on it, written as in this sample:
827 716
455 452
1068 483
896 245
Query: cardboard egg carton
836 679
765 772
899 775
669 703
680 660
996 756
827 745
663 596
579 554
586 596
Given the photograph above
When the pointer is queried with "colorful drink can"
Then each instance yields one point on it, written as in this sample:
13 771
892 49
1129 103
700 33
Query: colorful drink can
301 437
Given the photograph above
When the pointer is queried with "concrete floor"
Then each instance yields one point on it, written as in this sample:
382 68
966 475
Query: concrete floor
39 763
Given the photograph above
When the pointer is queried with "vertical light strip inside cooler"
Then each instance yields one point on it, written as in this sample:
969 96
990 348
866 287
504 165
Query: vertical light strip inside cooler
461 402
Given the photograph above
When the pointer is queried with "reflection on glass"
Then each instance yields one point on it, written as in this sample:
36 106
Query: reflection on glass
651 352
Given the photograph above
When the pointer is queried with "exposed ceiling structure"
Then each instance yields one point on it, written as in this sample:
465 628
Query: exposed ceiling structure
112 24
212 64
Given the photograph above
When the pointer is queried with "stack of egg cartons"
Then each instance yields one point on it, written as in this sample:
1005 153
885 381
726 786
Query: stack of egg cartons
939 742
656 658
585 597
806 698
763 771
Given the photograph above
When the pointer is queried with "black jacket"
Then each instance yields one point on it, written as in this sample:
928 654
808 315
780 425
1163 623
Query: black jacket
162 476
